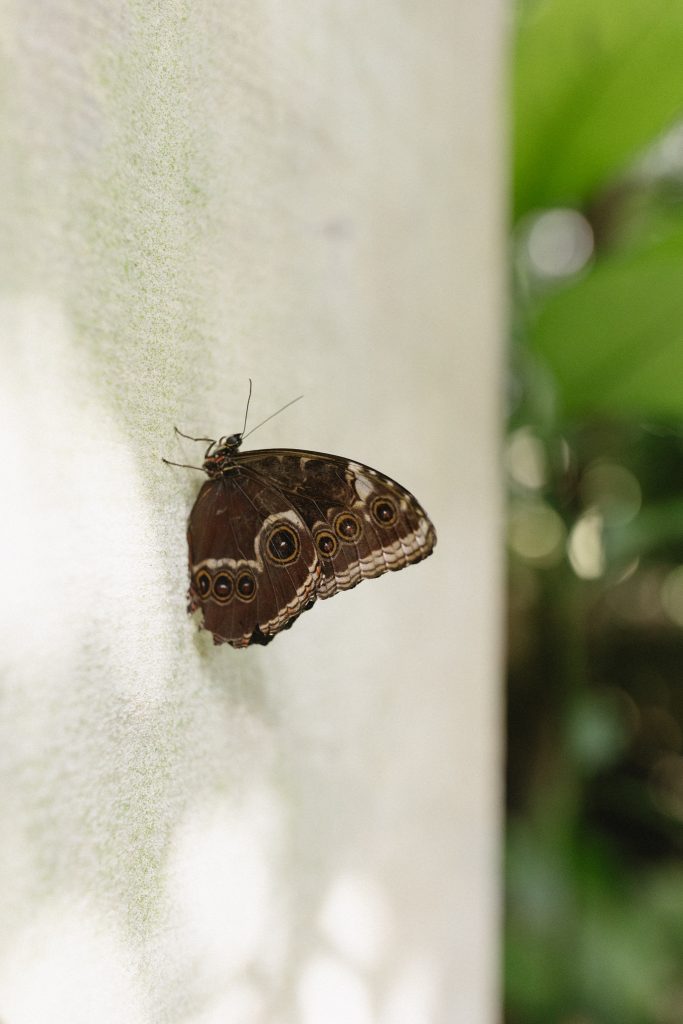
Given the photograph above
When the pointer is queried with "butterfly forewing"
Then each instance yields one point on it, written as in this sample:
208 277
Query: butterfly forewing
362 522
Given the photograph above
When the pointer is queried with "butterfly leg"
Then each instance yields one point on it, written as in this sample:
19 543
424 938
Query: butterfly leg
182 465
188 438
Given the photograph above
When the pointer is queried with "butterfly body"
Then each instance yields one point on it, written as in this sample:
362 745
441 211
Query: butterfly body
273 530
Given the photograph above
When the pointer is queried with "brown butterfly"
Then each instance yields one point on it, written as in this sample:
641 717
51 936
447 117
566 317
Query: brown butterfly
273 530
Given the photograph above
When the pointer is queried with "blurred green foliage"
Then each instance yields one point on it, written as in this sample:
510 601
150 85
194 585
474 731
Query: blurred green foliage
595 470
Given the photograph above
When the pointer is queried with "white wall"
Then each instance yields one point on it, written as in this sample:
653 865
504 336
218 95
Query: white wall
192 194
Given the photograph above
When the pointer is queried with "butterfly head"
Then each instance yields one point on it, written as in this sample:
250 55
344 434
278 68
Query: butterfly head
219 455
231 443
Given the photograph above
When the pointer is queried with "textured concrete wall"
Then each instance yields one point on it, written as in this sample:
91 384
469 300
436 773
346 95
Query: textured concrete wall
192 194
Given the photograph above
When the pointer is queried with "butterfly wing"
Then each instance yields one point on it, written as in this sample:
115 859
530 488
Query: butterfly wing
362 523
253 564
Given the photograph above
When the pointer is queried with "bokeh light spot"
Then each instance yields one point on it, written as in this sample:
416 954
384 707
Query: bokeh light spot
525 459
611 489
559 243
536 533
585 548
672 595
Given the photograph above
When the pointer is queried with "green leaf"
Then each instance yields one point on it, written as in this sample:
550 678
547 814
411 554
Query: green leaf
614 339
658 526
595 82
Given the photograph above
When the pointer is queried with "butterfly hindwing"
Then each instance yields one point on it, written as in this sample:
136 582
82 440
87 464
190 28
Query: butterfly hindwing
253 564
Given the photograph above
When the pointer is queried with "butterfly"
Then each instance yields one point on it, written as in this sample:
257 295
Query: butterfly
274 530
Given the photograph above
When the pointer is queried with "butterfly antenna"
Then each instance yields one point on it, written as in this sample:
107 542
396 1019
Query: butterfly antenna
272 415
246 411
